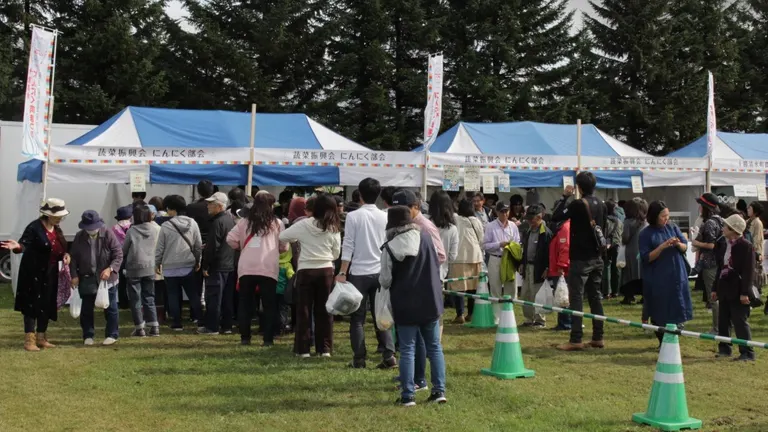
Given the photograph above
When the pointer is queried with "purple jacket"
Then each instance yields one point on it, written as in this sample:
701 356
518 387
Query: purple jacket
120 233
109 254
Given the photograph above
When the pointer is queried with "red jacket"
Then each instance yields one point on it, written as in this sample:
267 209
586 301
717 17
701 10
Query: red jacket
559 249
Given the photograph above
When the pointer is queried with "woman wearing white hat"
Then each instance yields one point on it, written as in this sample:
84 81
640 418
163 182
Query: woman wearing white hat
43 245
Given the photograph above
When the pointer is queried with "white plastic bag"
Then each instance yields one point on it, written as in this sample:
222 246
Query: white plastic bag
561 293
621 257
344 299
384 319
75 303
102 296
544 297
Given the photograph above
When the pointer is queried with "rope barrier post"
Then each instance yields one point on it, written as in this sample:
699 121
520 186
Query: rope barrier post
507 360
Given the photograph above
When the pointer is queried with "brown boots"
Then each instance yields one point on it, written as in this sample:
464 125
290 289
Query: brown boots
31 343
42 341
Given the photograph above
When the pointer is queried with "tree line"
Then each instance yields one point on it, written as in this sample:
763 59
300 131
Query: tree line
636 69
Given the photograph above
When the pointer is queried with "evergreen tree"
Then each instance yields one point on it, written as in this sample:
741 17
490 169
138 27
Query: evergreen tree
107 57
751 28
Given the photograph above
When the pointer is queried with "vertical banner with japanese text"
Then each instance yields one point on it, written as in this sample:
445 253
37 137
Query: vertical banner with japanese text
38 94
711 117
433 111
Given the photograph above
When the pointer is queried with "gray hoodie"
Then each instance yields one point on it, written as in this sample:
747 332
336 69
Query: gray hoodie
139 250
173 251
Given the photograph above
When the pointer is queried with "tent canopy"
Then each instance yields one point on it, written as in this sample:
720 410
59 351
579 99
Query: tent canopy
540 139
138 127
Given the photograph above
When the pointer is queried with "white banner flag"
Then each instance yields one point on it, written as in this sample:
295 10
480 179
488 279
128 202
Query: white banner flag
434 110
711 117
38 92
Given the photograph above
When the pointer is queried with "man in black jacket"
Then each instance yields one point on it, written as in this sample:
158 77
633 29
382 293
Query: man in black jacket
218 267
586 272
199 209
535 262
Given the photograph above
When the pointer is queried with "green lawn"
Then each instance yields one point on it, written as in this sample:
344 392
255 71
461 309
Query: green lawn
184 382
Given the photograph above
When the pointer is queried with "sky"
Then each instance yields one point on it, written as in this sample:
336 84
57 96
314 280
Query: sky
175 9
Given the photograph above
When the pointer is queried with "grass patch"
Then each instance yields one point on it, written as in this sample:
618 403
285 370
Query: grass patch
182 382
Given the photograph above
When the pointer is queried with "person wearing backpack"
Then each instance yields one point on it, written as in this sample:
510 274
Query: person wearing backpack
588 217
613 232
710 234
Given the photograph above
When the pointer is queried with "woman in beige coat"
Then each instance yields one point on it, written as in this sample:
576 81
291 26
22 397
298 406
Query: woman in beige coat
755 228
469 259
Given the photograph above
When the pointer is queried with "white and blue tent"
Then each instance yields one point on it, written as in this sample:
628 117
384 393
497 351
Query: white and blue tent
147 128
538 139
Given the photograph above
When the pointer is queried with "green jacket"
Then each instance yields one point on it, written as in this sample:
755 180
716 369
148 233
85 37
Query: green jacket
510 260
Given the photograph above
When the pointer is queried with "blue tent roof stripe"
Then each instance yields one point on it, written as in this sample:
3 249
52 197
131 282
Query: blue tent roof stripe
747 146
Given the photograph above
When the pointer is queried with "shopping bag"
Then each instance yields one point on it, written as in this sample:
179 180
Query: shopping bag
384 319
64 288
344 299
102 296
75 303
544 297
561 293
621 257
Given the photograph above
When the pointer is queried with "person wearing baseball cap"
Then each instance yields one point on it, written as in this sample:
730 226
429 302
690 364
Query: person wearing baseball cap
498 234
535 262
709 233
218 267
733 289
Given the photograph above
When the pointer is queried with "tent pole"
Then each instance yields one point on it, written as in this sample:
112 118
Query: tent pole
578 152
249 187
709 173
50 117
425 174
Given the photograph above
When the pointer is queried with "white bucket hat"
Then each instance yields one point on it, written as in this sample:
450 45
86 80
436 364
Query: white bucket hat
54 207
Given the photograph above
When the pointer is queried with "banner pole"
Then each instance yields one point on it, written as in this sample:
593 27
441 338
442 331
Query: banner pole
50 117
578 153
249 186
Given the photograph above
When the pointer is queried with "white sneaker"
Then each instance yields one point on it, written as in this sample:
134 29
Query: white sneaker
325 355
306 355
88 342
109 341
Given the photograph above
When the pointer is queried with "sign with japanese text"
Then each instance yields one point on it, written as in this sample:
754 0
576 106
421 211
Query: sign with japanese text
37 98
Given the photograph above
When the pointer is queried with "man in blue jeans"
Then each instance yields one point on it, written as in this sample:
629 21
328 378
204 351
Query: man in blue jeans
218 267
111 332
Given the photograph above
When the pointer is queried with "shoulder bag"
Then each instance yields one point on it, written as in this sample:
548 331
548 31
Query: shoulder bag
596 229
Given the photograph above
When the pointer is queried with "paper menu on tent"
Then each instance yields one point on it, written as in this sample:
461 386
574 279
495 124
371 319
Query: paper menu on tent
742 190
637 184
567 181
489 184
451 178
761 193
472 179
503 183
138 181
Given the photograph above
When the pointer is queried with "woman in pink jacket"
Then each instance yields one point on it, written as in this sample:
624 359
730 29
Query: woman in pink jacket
256 237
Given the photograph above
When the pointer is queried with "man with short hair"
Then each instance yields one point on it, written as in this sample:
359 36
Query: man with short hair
481 212
498 234
535 262
586 273
364 233
199 209
218 267
138 198
386 196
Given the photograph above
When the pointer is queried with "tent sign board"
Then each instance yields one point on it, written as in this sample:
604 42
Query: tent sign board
138 181
761 193
637 184
744 190
339 158
567 181
451 177
472 179
489 184
82 154
504 183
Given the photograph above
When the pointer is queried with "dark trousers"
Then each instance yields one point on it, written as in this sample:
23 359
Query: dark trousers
41 322
191 285
313 287
161 300
585 277
110 313
219 291
611 275
367 285
122 290
458 302
248 305
734 313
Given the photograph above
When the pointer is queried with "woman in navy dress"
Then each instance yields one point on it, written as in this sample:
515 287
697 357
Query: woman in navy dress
665 275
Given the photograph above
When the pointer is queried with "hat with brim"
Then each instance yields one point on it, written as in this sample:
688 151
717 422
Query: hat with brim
708 200
54 207
124 213
90 220
736 224
502 206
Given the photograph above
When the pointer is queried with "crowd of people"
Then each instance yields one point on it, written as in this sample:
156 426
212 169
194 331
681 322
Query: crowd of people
238 257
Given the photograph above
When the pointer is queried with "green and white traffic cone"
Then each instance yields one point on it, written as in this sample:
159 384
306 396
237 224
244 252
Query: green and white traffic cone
507 360
667 406
482 314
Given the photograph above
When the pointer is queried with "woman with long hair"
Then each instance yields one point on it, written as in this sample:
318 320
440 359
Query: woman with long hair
631 278
320 240
442 215
666 296
256 237
43 245
469 257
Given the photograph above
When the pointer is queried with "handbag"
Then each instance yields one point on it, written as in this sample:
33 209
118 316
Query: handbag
596 229
65 287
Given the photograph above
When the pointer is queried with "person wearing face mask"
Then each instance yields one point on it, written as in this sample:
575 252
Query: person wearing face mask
96 257
43 246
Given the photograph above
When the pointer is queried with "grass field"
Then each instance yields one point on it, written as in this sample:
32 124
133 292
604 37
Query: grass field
184 382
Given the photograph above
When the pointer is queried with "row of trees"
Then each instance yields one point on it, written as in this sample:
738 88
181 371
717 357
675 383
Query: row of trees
637 69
